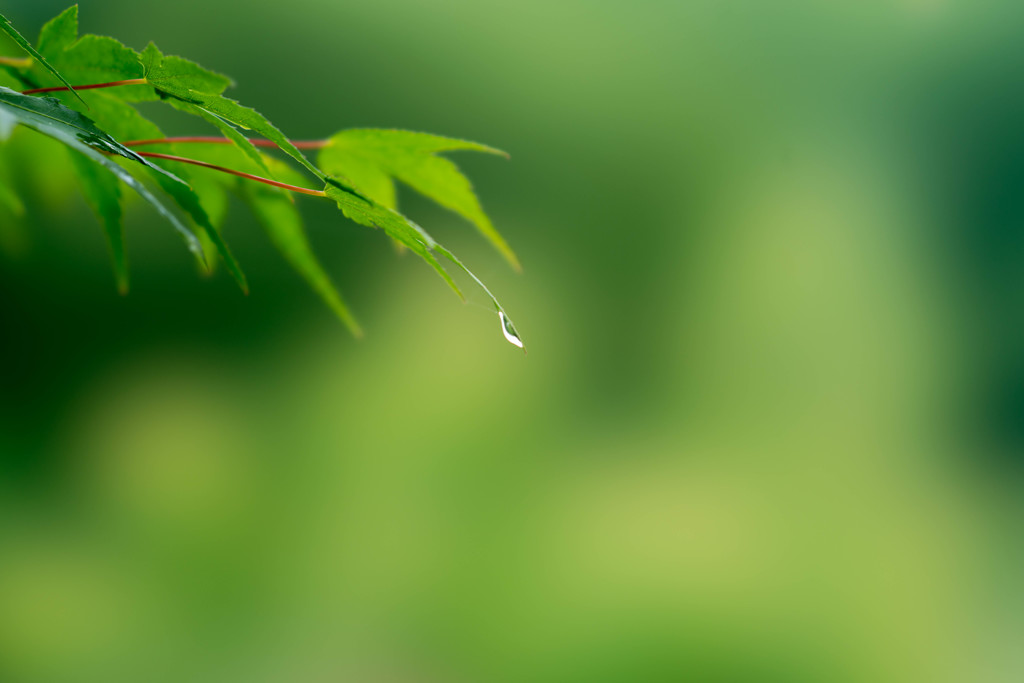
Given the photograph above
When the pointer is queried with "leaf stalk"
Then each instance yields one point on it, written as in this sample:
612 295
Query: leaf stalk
213 140
240 174
93 86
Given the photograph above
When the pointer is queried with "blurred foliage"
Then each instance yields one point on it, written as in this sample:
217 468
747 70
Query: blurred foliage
770 428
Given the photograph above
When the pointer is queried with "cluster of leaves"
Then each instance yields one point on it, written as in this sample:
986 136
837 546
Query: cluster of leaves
99 123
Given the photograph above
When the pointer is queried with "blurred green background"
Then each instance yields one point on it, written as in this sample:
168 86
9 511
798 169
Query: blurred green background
771 423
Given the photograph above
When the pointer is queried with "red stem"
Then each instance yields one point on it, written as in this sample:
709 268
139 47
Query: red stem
307 144
60 88
249 176
300 144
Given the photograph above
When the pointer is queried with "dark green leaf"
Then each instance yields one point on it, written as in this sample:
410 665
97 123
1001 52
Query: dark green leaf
5 26
50 111
48 116
123 121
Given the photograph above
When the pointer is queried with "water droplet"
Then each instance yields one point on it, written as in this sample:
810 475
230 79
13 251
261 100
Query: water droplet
509 330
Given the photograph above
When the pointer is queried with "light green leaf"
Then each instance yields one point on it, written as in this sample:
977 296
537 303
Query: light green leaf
366 174
10 76
9 200
91 59
279 217
13 237
176 74
59 33
369 213
508 328
48 116
5 26
372 158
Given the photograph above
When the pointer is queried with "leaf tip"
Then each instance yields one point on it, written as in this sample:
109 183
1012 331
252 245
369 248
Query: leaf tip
238 276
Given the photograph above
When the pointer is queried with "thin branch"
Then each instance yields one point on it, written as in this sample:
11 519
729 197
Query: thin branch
240 174
299 144
17 62
61 88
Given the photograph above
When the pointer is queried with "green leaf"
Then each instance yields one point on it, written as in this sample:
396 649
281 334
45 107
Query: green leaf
8 122
363 164
372 158
91 59
369 213
508 328
274 209
11 76
96 58
176 74
250 119
214 200
9 200
365 174
102 59
187 199
186 81
50 111
103 194
5 25
60 32
125 122
48 116
277 214
230 132
13 235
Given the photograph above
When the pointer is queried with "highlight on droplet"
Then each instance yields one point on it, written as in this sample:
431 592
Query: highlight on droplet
509 330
